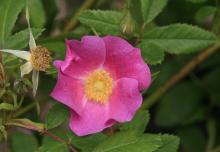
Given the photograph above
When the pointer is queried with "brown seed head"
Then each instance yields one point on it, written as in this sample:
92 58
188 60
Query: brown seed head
40 58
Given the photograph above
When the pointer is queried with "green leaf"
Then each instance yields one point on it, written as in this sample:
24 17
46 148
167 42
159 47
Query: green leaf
152 53
144 11
20 40
203 13
179 38
84 144
130 142
56 116
178 104
138 123
104 22
170 144
23 143
56 147
192 139
87 143
37 13
9 10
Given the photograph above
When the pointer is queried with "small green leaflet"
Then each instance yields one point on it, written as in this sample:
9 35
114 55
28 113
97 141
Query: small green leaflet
152 53
144 11
104 22
204 13
20 40
128 141
9 13
56 116
170 143
87 143
55 147
9 10
138 123
37 13
179 38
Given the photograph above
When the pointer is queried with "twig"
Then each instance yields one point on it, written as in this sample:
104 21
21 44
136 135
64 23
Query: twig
42 131
74 20
153 98
57 138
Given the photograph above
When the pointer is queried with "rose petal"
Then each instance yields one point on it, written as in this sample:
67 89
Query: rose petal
26 68
91 120
125 100
123 104
69 91
123 60
84 57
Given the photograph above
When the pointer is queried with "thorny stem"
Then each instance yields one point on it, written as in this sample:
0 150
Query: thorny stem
49 134
45 132
57 138
153 98
74 20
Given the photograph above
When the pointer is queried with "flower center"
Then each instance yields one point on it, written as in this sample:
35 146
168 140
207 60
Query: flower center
98 86
40 58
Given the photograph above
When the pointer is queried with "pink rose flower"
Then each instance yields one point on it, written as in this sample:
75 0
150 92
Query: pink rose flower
100 80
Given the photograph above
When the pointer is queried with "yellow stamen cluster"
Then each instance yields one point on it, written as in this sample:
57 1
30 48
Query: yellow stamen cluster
40 58
98 86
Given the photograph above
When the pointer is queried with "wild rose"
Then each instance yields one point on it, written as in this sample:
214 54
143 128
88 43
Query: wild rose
100 80
37 59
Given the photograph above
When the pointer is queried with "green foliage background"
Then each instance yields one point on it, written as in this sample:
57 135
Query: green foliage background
170 33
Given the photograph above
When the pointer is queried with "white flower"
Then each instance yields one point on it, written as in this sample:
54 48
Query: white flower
38 58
